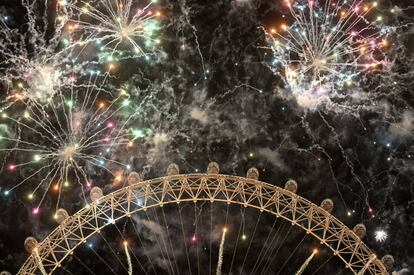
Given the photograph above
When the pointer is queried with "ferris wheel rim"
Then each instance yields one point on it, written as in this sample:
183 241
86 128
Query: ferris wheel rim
362 257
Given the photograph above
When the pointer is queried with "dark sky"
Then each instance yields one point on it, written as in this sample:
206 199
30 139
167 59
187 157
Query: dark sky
208 94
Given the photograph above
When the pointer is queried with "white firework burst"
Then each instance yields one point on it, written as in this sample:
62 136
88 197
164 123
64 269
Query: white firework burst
381 235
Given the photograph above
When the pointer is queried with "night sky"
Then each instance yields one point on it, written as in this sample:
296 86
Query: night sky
209 90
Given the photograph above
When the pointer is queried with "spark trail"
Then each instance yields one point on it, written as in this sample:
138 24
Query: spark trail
306 263
221 251
130 270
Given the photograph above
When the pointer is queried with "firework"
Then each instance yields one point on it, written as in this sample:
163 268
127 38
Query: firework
58 123
130 269
115 26
306 263
380 235
32 57
327 47
56 145
221 251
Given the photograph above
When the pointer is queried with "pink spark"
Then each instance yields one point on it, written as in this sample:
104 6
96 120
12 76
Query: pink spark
320 91
72 79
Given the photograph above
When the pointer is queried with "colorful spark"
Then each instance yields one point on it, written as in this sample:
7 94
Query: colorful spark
34 62
327 48
112 26
54 146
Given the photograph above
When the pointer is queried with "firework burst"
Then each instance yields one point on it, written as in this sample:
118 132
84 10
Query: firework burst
61 124
33 55
380 235
327 47
115 26
57 145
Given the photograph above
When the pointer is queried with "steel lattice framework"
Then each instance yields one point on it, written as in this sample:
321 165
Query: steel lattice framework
76 229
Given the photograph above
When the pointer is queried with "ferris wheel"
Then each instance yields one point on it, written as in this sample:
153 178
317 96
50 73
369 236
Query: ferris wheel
280 204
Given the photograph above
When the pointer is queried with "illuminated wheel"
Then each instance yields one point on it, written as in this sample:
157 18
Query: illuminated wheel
322 235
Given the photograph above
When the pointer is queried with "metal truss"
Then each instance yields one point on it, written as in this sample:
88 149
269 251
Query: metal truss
248 192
